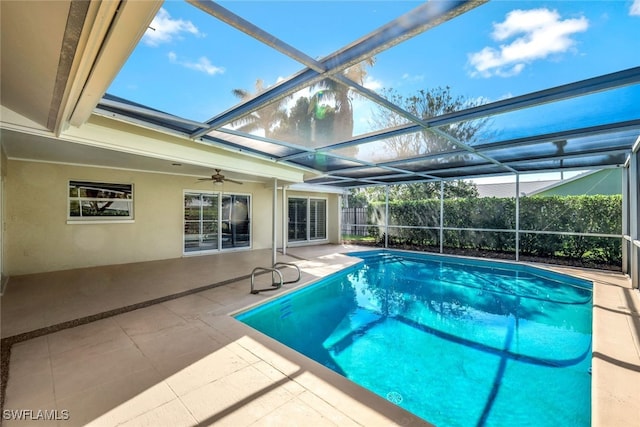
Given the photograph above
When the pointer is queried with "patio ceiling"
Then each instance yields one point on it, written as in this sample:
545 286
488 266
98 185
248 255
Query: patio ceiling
582 119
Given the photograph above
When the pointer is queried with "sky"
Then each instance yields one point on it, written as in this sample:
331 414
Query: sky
188 62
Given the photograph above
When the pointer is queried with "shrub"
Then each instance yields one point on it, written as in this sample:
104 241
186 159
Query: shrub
580 214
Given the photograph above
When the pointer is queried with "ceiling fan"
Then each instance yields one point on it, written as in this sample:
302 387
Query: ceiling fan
218 178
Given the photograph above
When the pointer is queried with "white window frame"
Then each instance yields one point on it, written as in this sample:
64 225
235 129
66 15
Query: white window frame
107 219
308 239
220 247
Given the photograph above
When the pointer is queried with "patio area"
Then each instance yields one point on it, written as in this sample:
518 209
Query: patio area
154 344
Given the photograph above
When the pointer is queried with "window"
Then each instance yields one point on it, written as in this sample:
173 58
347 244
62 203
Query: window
92 201
307 219
214 221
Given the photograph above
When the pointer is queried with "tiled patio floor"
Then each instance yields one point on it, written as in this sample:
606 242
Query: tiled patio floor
185 361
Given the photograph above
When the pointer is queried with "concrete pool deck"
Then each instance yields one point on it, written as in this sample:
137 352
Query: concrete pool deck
184 360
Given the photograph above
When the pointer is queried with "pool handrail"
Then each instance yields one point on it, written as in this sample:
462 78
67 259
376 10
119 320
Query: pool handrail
275 284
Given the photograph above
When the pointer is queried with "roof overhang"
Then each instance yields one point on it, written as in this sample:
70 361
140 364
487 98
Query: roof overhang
59 57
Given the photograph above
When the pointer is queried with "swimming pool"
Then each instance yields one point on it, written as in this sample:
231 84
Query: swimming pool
458 342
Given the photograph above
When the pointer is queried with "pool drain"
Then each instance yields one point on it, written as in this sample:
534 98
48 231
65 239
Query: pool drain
395 397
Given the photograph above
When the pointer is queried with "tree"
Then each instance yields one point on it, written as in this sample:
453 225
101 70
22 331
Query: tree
426 104
357 199
297 126
331 105
267 119
322 118
431 190
301 125
417 191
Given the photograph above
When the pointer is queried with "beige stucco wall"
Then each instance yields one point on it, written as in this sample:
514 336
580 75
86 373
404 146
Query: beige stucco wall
38 238
333 219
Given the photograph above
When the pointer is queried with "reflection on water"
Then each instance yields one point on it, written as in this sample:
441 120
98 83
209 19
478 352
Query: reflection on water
483 338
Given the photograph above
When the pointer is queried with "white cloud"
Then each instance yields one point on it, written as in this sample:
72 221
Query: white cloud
163 29
413 78
635 8
535 34
202 64
371 83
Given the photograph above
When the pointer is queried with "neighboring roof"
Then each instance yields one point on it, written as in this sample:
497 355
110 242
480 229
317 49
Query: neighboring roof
602 182
508 189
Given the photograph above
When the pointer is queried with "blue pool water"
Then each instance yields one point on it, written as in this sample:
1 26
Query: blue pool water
457 342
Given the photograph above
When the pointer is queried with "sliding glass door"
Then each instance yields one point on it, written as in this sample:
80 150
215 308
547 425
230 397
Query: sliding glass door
307 219
297 219
235 221
200 222
214 221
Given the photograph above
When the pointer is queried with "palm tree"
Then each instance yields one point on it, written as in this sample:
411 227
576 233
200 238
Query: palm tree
268 118
335 100
324 117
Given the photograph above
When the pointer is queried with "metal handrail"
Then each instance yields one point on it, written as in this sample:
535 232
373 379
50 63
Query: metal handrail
289 264
274 285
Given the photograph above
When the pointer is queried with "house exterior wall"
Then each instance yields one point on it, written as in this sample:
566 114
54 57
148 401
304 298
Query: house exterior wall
37 237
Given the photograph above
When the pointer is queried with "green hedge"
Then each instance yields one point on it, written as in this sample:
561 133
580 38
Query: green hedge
582 214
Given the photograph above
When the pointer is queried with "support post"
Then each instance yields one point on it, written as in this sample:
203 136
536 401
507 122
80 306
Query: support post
517 217
634 207
339 213
626 231
274 223
285 220
386 217
441 216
